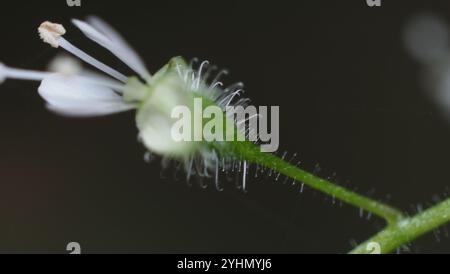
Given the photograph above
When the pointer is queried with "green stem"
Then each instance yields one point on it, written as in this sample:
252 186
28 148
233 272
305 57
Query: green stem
252 154
400 229
407 230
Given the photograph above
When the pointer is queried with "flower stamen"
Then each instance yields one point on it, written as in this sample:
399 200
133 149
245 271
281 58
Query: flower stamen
51 33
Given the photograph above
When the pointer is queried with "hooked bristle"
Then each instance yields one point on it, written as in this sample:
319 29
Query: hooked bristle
51 32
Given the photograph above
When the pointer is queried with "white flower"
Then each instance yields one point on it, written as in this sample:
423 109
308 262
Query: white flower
75 93
71 91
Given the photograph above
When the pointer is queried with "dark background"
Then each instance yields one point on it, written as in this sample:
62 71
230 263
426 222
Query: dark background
350 102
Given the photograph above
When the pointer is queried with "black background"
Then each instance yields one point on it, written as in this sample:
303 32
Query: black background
350 102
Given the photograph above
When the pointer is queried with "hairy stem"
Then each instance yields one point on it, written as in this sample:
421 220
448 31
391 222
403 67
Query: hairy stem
252 154
400 229
407 230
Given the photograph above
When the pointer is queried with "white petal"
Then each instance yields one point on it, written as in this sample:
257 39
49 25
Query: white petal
2 73
106 37
75 96
109 32
427 38
130 54
88 111
100 79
